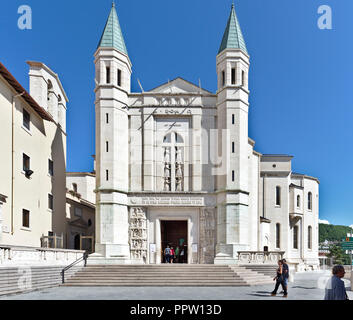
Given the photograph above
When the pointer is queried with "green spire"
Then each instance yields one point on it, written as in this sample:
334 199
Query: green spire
112 36
233 37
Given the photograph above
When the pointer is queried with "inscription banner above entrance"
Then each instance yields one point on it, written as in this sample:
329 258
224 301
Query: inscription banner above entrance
167 201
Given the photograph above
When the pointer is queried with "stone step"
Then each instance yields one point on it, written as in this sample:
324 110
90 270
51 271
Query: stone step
38 284
15 279
161 281
33 280
142 278
155 267
142 282
34 277
156 272
154 284
158 268
35 270
34 288
165 276
46 278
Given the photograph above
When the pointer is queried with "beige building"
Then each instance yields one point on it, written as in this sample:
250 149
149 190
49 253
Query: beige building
80 210
33 157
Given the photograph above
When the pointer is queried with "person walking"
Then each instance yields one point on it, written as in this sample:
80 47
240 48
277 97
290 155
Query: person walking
167 254
335 289
280 280
285 273
172 255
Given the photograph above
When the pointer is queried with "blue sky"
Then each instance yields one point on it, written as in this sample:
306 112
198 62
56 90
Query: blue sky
300 78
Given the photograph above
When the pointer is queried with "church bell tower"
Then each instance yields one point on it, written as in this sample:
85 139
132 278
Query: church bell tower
232 116
113 85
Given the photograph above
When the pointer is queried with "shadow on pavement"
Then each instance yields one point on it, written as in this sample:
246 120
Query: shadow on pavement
261 294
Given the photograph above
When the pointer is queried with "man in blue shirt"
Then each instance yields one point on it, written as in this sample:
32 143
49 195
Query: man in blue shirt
335 289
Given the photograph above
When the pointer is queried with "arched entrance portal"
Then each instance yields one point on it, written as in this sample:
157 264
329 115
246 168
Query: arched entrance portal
175 234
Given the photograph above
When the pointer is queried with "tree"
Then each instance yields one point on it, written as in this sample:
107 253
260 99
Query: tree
332 233
338 255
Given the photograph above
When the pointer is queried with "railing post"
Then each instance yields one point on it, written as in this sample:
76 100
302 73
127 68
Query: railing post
63 276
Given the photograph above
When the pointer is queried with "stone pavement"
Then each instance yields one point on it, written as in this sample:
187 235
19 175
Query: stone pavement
306 286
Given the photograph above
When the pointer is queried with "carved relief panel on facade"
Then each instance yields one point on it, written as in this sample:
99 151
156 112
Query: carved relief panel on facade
207 235
138 233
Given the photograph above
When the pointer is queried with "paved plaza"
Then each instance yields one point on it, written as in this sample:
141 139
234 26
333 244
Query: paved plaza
306 286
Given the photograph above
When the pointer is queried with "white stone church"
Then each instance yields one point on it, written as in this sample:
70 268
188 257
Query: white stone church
175 166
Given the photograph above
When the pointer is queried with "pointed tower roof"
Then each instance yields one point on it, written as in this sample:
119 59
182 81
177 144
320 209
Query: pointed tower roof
233 37
112 36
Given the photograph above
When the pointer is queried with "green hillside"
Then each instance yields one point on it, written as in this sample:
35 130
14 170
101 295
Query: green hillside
332 233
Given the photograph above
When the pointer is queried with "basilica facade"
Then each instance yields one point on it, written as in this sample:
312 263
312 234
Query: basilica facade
175 166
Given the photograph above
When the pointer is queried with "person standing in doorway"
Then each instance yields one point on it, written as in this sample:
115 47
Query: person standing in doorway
182 254
172 255
335 289
280 280
177 251
167 254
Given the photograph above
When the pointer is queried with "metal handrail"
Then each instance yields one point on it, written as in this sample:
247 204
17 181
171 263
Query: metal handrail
83 258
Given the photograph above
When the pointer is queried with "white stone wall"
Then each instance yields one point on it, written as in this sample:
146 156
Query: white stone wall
53 100
11 256
86 184
43 141
254 216
289 214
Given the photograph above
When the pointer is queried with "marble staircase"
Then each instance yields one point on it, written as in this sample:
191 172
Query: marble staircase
171 275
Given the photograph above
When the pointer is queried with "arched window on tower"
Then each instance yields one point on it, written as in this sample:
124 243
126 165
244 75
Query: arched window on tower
298 201
173 153
278 196
310 201
107 73
223 79
278 236
295 237
310 236
233 76
119 77
243 78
